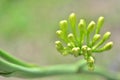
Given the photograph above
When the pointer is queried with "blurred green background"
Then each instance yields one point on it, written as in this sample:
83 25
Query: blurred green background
27 31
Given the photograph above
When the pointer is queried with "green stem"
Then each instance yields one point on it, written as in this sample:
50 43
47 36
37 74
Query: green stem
88 39
11 67
24 72
12 59
14 70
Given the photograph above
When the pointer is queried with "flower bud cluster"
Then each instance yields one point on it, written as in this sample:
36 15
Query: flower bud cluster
79 41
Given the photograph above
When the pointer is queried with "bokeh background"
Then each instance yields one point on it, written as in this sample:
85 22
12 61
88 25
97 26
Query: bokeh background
27 31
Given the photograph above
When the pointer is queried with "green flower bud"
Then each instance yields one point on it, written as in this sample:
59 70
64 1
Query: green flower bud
70 45
91 26
90 59
89 51
63 26
91 67
66 52
84 51
59 33
82 25
72 19
99 24
107 46
84 48
90 62
59 46
106 36
82 29
71 37
76 51
95 39
63 50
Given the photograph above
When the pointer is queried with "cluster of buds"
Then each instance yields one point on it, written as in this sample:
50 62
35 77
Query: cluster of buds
82 39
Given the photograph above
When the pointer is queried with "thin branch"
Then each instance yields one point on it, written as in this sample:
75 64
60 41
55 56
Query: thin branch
15 70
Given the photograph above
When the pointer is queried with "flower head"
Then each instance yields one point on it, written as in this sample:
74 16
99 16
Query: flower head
79 42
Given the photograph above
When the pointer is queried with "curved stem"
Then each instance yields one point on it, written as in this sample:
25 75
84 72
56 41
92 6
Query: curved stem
12 59
13 70
34 72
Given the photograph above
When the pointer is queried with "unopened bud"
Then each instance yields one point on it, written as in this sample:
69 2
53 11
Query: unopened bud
59 46
99 24
71 37
84 48
91 67
95 38
72 19
63 25
59 33
82 25
90 62
70 45
106 36
91 26
108 46
91 59
76 51
89 51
